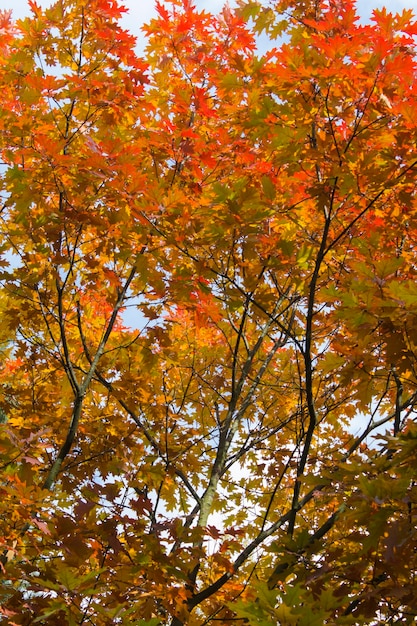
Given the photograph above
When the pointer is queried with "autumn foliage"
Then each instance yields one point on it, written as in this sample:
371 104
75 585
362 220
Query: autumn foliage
208 373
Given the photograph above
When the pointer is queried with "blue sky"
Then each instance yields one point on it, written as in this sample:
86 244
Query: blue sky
140 11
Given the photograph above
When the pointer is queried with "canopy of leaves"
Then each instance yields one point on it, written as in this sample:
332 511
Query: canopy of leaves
208 270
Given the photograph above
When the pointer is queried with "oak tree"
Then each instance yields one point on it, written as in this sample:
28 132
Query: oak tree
208 373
